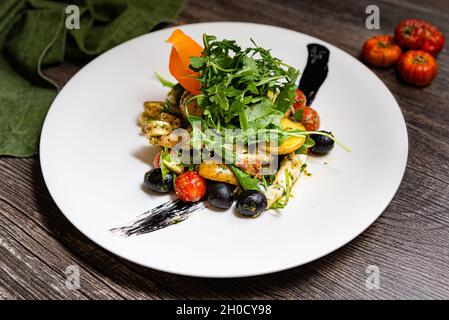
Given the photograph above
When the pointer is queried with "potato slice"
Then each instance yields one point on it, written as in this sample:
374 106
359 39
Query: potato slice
217 172
290 144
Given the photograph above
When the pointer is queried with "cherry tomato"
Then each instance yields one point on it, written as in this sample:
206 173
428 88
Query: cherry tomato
381 51
308 117
418 34
190 186
434 40
417 67
300 99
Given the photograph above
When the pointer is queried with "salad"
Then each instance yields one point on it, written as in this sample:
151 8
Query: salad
235 126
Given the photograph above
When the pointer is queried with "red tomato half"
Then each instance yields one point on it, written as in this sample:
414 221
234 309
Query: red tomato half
300 99
190 187
308 117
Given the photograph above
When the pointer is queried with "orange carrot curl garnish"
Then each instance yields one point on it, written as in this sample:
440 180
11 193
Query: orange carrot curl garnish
183 48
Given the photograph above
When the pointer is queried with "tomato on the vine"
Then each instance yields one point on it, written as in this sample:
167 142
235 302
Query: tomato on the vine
417 67
381 51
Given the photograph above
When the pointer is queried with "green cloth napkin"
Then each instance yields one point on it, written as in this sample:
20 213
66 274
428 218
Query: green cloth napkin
33 35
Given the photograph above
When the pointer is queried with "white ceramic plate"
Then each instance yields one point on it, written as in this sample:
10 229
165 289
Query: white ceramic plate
93 160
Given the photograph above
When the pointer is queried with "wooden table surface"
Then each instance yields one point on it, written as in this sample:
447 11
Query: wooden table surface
409 242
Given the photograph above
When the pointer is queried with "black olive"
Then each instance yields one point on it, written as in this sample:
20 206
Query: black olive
170 181
220 194
251 203
323 144
153 181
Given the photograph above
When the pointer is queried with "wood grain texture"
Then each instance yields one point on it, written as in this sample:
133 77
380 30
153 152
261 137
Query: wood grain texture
409 242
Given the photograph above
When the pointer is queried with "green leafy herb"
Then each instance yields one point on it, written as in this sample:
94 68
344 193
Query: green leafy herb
279 204
309 143
286 98
303 167
246 181
236 84
164 81
264 182
165 157
298 115
288 185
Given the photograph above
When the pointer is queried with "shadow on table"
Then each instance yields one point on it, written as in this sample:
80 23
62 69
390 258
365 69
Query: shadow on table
130 280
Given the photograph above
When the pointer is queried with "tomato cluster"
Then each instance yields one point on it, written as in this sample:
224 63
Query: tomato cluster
421 42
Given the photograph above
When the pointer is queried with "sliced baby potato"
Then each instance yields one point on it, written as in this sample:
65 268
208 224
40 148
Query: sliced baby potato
290 144
217 172
289 124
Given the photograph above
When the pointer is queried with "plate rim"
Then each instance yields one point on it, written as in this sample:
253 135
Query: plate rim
241 274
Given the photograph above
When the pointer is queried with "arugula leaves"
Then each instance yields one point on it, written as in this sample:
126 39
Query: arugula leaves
246 181
263 115
164 158
285 99
164 81
309 143
236 84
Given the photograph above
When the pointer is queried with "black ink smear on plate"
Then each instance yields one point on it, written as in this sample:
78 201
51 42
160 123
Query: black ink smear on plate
160 217
172 212
315 71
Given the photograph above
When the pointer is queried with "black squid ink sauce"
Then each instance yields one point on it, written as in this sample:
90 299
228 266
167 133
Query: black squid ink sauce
164 215
315 71
172 212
